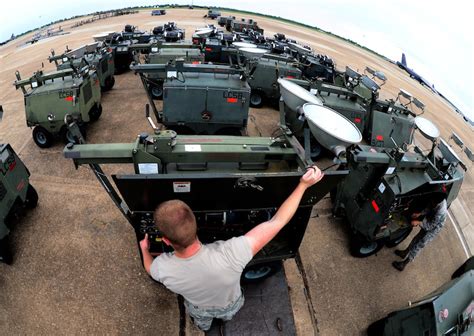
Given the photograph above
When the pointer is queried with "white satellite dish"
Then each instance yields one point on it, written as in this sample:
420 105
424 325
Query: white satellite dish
330 128
240 45
204 32
295 95
427 128
252 53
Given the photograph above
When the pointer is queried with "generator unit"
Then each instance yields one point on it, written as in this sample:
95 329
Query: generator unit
120 44
171 32
164 54
268 70
123 55
16 196
242 25
101 59
449 310
200 98
51 96
232 183
213 14
206 103
318 67
385 186
218 50
225 21
383 123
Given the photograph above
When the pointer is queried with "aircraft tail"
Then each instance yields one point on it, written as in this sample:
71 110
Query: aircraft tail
404 59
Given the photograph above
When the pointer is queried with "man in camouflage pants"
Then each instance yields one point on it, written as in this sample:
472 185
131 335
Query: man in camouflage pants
432 223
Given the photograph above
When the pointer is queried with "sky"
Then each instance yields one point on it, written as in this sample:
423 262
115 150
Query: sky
434 35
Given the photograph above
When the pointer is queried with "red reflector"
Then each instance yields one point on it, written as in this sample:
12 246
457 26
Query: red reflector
12 165
232 100
208 49
290 76
20 185
375 206
379 138
69 98
357 120
196 62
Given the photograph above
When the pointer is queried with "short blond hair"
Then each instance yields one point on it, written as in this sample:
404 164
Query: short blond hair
177 223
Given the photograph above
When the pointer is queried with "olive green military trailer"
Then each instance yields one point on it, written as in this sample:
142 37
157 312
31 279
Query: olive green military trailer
16 195
383 123
268 70
384 185
101 59
232 183
448 311
243 25
165 53
49 97
213 13
200 98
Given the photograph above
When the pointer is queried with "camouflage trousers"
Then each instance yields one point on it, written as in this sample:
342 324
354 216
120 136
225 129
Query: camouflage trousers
202 318
419 242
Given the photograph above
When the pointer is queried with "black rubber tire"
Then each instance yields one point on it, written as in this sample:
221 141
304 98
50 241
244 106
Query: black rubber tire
67 136
256 99
398 238
259 272
31 200
361 249
467 266
5 251
156 91
376 328
108 83
42 137
95 112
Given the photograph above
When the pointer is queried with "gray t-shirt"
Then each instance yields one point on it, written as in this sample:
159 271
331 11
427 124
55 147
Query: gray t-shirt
211 277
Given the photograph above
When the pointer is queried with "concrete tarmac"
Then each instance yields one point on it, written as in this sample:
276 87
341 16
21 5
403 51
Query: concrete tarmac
77 268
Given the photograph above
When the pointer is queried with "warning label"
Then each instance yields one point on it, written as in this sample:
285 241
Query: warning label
182 187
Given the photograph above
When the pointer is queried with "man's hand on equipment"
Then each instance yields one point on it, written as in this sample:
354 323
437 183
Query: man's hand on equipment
145 243
312 176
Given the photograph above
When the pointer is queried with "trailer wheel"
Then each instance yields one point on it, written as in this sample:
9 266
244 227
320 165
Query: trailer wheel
361 249
5 251
259 272
399 237
31 198
256 99
109 83
42 137
156 91
67 136
95 112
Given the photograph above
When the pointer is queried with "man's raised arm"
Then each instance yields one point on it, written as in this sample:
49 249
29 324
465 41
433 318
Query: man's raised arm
263 233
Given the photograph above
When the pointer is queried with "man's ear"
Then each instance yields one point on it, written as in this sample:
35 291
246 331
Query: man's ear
166 241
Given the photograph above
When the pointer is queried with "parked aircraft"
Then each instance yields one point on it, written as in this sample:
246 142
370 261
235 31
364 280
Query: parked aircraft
413 74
